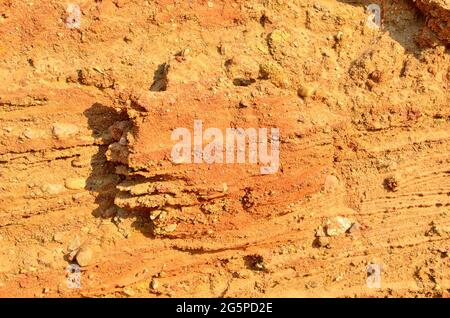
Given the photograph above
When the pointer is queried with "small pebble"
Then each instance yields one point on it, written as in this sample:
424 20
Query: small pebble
74 244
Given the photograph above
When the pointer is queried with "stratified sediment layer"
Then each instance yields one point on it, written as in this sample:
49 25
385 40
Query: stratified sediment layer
86 175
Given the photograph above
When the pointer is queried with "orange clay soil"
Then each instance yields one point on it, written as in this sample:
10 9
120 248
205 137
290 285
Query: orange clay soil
86 176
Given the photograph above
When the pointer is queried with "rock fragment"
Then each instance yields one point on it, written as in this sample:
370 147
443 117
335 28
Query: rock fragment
58 237
75 183
73 248
354 228
165 229
305 91
154 284
81 162
255 262
437 14
273 72
391 183
73 19
322 241
331 183
277 39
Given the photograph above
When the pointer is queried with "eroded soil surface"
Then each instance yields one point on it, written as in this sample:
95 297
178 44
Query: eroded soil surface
86 114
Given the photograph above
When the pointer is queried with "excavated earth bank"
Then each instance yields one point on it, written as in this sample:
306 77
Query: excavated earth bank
86 176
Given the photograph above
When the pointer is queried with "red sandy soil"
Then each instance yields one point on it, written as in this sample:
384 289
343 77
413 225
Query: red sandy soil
85 173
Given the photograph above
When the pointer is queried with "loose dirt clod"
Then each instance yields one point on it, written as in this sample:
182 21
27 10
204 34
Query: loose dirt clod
73 19
391 183
62 131
52 188
323 241
58 237
274 73
75 183
154 284
255 262
305 91
354 228
74 244
277 39
90 110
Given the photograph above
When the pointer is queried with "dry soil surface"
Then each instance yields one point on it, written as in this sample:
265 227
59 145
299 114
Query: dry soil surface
86 115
